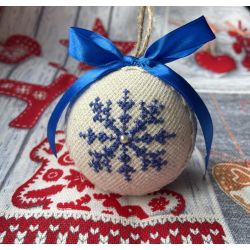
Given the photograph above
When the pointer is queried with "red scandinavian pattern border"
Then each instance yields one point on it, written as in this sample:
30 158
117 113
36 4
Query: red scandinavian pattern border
79 230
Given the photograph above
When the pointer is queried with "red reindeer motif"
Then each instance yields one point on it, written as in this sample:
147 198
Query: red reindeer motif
111 201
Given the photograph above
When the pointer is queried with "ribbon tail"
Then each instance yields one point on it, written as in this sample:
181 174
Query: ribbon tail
71 94
169 77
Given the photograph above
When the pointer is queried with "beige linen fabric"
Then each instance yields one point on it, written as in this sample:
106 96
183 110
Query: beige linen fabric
142 86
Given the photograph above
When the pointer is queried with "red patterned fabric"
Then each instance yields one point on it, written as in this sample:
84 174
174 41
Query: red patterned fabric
18 48
53 230
242 44
217 64
59 205
37 97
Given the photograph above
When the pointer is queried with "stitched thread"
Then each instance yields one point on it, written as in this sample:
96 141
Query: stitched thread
125 139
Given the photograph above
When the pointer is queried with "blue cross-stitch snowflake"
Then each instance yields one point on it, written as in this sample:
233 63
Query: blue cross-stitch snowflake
124 138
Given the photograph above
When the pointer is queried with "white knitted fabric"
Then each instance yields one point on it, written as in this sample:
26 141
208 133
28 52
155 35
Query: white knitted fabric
142 86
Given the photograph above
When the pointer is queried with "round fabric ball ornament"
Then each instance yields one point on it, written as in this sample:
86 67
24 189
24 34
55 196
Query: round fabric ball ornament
133 138
131 125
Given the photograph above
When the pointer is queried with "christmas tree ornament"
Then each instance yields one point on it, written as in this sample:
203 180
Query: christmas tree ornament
131 125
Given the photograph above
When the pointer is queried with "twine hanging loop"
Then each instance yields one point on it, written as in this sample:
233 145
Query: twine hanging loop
142 43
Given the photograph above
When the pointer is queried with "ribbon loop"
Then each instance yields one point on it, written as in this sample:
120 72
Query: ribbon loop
181 42
91 48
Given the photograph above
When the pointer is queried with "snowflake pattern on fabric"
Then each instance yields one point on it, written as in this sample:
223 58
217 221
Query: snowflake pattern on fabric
125 138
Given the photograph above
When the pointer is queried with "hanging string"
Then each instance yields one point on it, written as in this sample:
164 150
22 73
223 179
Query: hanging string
142 44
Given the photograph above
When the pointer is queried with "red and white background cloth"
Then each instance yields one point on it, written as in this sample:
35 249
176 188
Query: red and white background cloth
59 205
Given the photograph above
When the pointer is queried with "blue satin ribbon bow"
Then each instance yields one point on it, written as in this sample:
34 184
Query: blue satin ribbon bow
91 48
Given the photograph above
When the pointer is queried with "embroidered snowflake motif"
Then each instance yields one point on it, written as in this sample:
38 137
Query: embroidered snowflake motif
125 138
158 204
